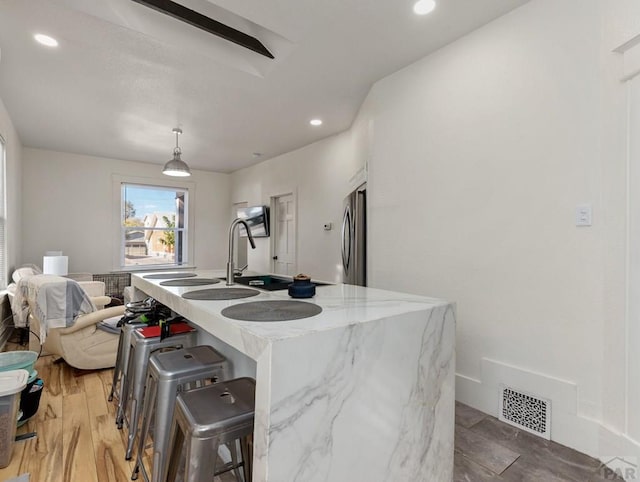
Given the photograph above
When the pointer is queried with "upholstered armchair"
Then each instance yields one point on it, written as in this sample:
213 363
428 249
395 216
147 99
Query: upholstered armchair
65 315
83 345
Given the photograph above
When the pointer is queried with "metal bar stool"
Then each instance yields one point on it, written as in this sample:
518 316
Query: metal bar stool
170 373
122 366
204 419
120 370
138 314
144 342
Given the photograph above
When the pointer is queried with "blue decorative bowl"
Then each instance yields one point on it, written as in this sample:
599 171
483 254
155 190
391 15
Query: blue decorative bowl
302 287
302 291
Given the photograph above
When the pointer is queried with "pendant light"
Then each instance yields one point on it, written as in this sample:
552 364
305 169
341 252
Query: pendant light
176 166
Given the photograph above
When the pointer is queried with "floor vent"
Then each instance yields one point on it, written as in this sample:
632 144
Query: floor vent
525 411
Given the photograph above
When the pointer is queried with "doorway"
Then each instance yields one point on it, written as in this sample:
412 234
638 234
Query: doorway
284 234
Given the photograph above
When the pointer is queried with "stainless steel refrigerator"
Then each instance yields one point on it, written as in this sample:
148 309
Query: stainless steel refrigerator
354 238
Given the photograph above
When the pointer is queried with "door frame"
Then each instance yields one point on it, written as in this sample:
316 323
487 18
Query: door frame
631 390
273 199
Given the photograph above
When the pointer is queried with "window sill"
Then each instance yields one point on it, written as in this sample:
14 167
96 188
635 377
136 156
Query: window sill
141 269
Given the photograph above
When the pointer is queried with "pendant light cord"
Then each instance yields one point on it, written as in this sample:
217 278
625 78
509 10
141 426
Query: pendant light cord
177 149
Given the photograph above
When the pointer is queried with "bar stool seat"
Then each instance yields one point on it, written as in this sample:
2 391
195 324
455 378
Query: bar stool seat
206 418
142 346
168 374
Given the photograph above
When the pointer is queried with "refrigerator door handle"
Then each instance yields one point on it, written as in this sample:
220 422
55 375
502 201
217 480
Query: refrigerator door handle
346 239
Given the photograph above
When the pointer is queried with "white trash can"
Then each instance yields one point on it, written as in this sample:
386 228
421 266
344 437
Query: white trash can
12 382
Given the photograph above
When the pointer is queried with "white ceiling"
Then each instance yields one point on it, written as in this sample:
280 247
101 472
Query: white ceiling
124 75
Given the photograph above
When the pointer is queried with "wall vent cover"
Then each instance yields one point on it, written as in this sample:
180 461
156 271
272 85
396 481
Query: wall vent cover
525 411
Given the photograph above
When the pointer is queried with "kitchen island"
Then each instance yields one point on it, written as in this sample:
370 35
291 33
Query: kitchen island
362 392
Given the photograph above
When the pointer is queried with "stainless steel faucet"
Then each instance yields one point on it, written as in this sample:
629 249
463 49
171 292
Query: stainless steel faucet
230 268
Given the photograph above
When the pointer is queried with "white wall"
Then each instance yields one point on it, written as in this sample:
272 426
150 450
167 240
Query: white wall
478 156
319 176
13 194
495 139
67 205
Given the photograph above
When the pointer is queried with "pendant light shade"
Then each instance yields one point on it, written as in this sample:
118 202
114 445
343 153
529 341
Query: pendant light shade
176 166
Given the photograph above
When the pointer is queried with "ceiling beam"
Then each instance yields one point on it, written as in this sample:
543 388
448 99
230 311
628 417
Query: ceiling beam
207 24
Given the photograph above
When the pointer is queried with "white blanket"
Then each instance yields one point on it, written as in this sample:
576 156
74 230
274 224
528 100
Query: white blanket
55 301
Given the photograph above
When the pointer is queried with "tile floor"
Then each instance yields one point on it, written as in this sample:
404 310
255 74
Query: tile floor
489 450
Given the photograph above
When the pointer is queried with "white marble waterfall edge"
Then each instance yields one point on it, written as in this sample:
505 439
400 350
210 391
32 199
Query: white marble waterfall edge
362 392
370 402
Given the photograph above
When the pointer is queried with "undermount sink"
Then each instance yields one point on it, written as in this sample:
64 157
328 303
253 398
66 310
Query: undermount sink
268 282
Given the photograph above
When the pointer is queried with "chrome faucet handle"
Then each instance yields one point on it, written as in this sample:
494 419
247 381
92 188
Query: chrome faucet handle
231 272
239 271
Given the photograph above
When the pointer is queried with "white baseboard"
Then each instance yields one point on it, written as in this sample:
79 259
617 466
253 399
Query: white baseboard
568 428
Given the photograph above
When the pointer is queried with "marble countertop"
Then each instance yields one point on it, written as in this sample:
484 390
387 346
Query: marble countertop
362 391
342 305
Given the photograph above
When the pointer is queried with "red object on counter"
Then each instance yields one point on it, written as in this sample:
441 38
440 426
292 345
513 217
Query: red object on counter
176 329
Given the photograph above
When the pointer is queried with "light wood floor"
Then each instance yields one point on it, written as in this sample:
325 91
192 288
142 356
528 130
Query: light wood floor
77 439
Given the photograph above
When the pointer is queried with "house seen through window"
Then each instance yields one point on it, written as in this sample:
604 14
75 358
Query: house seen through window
154 225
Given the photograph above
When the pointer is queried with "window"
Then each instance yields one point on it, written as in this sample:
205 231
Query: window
3 217
153 225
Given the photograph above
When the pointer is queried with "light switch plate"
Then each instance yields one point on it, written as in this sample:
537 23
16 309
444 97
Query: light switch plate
584 215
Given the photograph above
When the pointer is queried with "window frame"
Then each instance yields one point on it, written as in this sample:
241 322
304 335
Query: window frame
4 252
119 181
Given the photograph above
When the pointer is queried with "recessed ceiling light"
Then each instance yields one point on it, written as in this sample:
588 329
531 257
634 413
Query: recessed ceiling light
315 122
423 7
45 40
